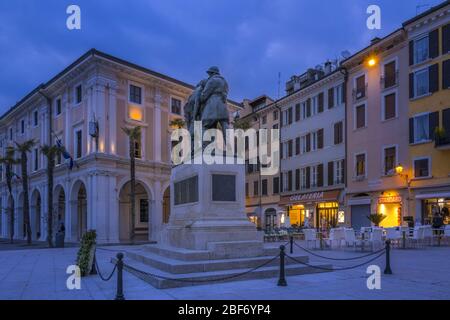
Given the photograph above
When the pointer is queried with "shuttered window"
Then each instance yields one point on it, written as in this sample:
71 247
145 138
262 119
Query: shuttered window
338 133
330 98
320 139
330 173
320 102
389 106
361 87
446 74
297 179
297 112
297 146
446 39
320 175
360 116
390 75
433 44
389 160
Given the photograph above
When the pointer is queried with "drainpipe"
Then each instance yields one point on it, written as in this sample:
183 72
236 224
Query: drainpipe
344 71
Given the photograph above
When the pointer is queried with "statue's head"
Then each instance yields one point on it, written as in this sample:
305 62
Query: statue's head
212 71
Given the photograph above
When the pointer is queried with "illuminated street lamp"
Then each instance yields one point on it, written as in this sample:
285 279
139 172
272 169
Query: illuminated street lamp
399 170
372 62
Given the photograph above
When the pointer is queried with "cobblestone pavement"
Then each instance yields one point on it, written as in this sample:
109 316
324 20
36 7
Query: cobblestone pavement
41 274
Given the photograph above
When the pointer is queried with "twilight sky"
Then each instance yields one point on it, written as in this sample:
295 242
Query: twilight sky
250 40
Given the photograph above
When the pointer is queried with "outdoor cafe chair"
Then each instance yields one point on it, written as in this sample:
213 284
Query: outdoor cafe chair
376 237
350 237
310 236
447 234
428 234
418 236
336 237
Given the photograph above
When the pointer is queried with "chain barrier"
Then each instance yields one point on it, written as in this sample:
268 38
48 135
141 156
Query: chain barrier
100 273
338 259
336 269
152 275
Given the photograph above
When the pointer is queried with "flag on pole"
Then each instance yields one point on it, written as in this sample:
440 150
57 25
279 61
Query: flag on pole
66 155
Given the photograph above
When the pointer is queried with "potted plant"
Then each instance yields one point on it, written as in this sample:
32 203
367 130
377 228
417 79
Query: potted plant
177 123
439 135
376 218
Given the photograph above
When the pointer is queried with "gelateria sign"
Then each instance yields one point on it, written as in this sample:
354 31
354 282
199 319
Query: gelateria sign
310 197
390 199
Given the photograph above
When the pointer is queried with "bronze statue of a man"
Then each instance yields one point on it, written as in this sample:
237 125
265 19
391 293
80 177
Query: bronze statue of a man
214 102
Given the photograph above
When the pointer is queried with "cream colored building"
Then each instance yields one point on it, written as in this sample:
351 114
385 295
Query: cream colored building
97 88
262 192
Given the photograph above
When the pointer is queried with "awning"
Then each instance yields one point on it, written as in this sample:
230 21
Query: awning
321 196
433 195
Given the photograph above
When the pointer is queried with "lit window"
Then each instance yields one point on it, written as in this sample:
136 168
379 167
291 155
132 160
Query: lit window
360 165
135 113
390 161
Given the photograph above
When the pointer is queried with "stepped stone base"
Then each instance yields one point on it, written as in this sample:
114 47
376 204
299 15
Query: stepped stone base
202 267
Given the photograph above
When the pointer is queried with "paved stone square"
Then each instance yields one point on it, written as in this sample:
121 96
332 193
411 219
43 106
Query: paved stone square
41 274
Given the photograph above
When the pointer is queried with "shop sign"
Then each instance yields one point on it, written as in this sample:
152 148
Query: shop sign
307 197
390 199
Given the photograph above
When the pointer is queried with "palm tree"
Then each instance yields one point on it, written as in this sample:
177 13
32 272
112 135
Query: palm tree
50 152
242 124
133 135
9 161
23 149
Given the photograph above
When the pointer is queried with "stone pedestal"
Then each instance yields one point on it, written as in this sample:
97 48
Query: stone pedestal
208 211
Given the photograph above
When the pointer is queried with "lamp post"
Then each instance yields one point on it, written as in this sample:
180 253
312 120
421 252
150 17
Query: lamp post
399 170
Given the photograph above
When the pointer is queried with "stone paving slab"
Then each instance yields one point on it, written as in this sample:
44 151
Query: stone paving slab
40 274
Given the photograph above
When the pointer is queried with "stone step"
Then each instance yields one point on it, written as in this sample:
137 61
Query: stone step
197 255
175 266
206 278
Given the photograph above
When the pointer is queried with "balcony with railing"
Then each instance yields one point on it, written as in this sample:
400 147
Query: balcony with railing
389 80
442 142
360 93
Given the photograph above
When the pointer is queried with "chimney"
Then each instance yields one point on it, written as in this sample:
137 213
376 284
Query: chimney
327 68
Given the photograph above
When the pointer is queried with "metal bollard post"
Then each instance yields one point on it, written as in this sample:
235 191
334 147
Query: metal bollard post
282 280
404 239
321 240
119 293
388 270
291 240
93 268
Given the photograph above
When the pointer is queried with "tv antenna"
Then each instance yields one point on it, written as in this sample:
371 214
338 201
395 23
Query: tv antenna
279 83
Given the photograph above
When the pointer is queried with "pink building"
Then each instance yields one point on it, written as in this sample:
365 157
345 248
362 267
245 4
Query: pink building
377 131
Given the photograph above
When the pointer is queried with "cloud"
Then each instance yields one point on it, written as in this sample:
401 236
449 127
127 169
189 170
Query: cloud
251 41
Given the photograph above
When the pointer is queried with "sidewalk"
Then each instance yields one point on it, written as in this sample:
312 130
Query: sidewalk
41 274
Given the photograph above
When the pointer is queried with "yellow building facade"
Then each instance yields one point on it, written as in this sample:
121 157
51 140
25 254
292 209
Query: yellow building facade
428 174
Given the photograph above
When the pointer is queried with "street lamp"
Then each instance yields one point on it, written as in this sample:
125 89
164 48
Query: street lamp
372 62
399 170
